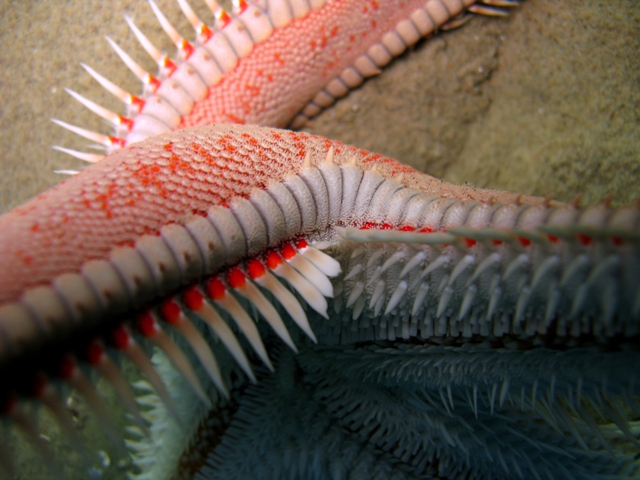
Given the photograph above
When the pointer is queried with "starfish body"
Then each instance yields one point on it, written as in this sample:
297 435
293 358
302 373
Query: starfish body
424 277
245 68
331 312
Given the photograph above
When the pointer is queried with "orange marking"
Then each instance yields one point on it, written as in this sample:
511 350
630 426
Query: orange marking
205 32
169 65
279 59
187 48
223 18
126 122
525 242
585 239
242 6
470 242
24 258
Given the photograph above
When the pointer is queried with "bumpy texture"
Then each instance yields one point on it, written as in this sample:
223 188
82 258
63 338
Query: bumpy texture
301 58
157 182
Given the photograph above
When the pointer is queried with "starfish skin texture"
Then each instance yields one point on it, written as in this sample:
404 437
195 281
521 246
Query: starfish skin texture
309 362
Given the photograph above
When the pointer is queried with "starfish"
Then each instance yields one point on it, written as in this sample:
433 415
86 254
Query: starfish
429 277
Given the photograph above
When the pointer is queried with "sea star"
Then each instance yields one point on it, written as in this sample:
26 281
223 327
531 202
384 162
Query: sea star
417 392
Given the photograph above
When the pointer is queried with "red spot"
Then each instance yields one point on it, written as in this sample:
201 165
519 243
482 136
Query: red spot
407 228
251 140
470 242
334 31
199 213
147 325
154 83
585 239
273 260
525 242
120 338
169 65
205 32
136 102
301 244
288 252
168 147
552 238
120 142
236 278
193 299
235 119
24 257
38 385
425 230
94 354
617 241
496 243
216 289
255 269
170 312
8 402
67 367
241 6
